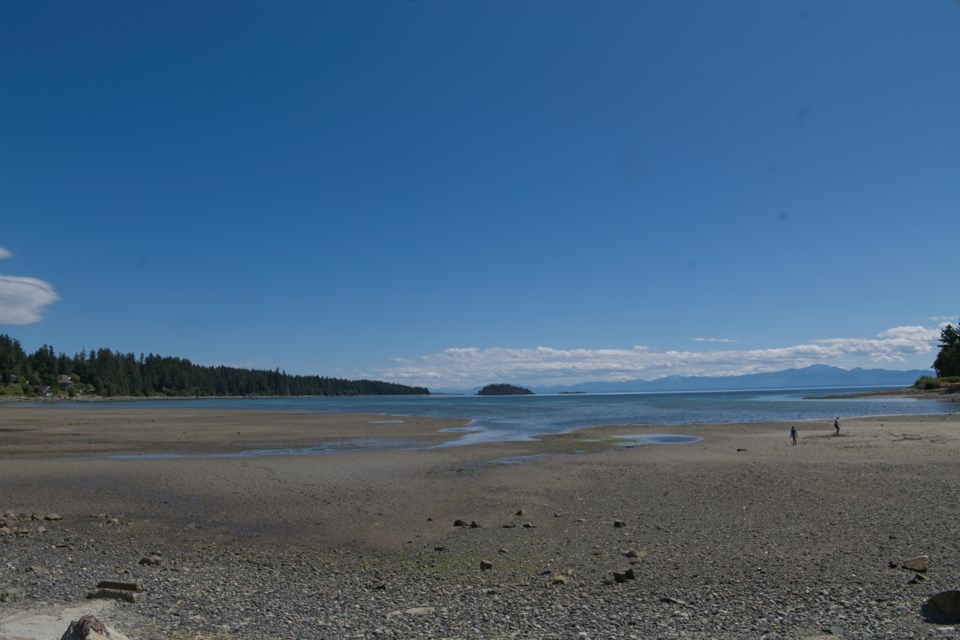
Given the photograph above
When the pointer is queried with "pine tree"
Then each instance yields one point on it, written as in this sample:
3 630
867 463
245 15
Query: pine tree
947 363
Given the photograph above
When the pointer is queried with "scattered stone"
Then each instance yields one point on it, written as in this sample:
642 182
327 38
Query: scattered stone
502 551
920 563
36 515
521 512
509 525
633 553
420 611
12 594
52 517
439 548
741 449
917 578
942 607
152 560
894 564
378 586
558 514
485 565
559 579
529 525
460 523
619 523
475 525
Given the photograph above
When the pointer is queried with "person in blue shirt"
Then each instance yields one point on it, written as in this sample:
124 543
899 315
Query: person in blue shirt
793 435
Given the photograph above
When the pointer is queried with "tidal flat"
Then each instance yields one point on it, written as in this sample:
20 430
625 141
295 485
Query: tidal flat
735 534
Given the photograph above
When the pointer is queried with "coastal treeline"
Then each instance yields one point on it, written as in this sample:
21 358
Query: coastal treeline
106 373
947 363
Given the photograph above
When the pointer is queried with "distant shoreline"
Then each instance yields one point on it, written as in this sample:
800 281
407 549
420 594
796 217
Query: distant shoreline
942 395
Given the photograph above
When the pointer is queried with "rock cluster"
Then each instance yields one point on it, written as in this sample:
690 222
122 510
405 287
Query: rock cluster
24 524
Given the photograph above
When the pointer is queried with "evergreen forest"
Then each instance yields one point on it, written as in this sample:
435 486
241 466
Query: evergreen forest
503 389
106 373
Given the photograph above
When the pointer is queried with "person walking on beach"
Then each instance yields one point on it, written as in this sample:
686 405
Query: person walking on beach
793 435
836 426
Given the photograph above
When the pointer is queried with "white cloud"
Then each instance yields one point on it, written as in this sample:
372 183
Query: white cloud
4 254
720 340
23 299
458 367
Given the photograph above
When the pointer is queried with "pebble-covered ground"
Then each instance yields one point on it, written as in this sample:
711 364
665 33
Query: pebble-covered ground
778 543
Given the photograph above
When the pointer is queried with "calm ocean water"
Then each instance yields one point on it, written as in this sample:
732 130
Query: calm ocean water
522 417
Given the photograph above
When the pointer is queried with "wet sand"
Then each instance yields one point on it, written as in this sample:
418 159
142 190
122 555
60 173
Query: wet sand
730 525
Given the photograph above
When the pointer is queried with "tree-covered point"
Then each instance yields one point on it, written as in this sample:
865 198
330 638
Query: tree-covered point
103 372
503 390
947 364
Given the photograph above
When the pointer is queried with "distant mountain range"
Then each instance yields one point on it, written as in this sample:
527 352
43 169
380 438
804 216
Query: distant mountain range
818 375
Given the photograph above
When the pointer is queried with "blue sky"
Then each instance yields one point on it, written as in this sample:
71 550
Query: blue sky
457 193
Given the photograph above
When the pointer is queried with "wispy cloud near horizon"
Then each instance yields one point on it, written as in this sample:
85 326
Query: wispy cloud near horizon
471 366
23 299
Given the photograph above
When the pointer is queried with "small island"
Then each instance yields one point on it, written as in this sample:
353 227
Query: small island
504 390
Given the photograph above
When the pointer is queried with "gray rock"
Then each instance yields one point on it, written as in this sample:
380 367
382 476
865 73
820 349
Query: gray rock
89 628
152 560
114 590
486 565
920 563
943 607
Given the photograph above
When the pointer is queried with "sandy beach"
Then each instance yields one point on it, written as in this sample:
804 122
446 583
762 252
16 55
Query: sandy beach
737 535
